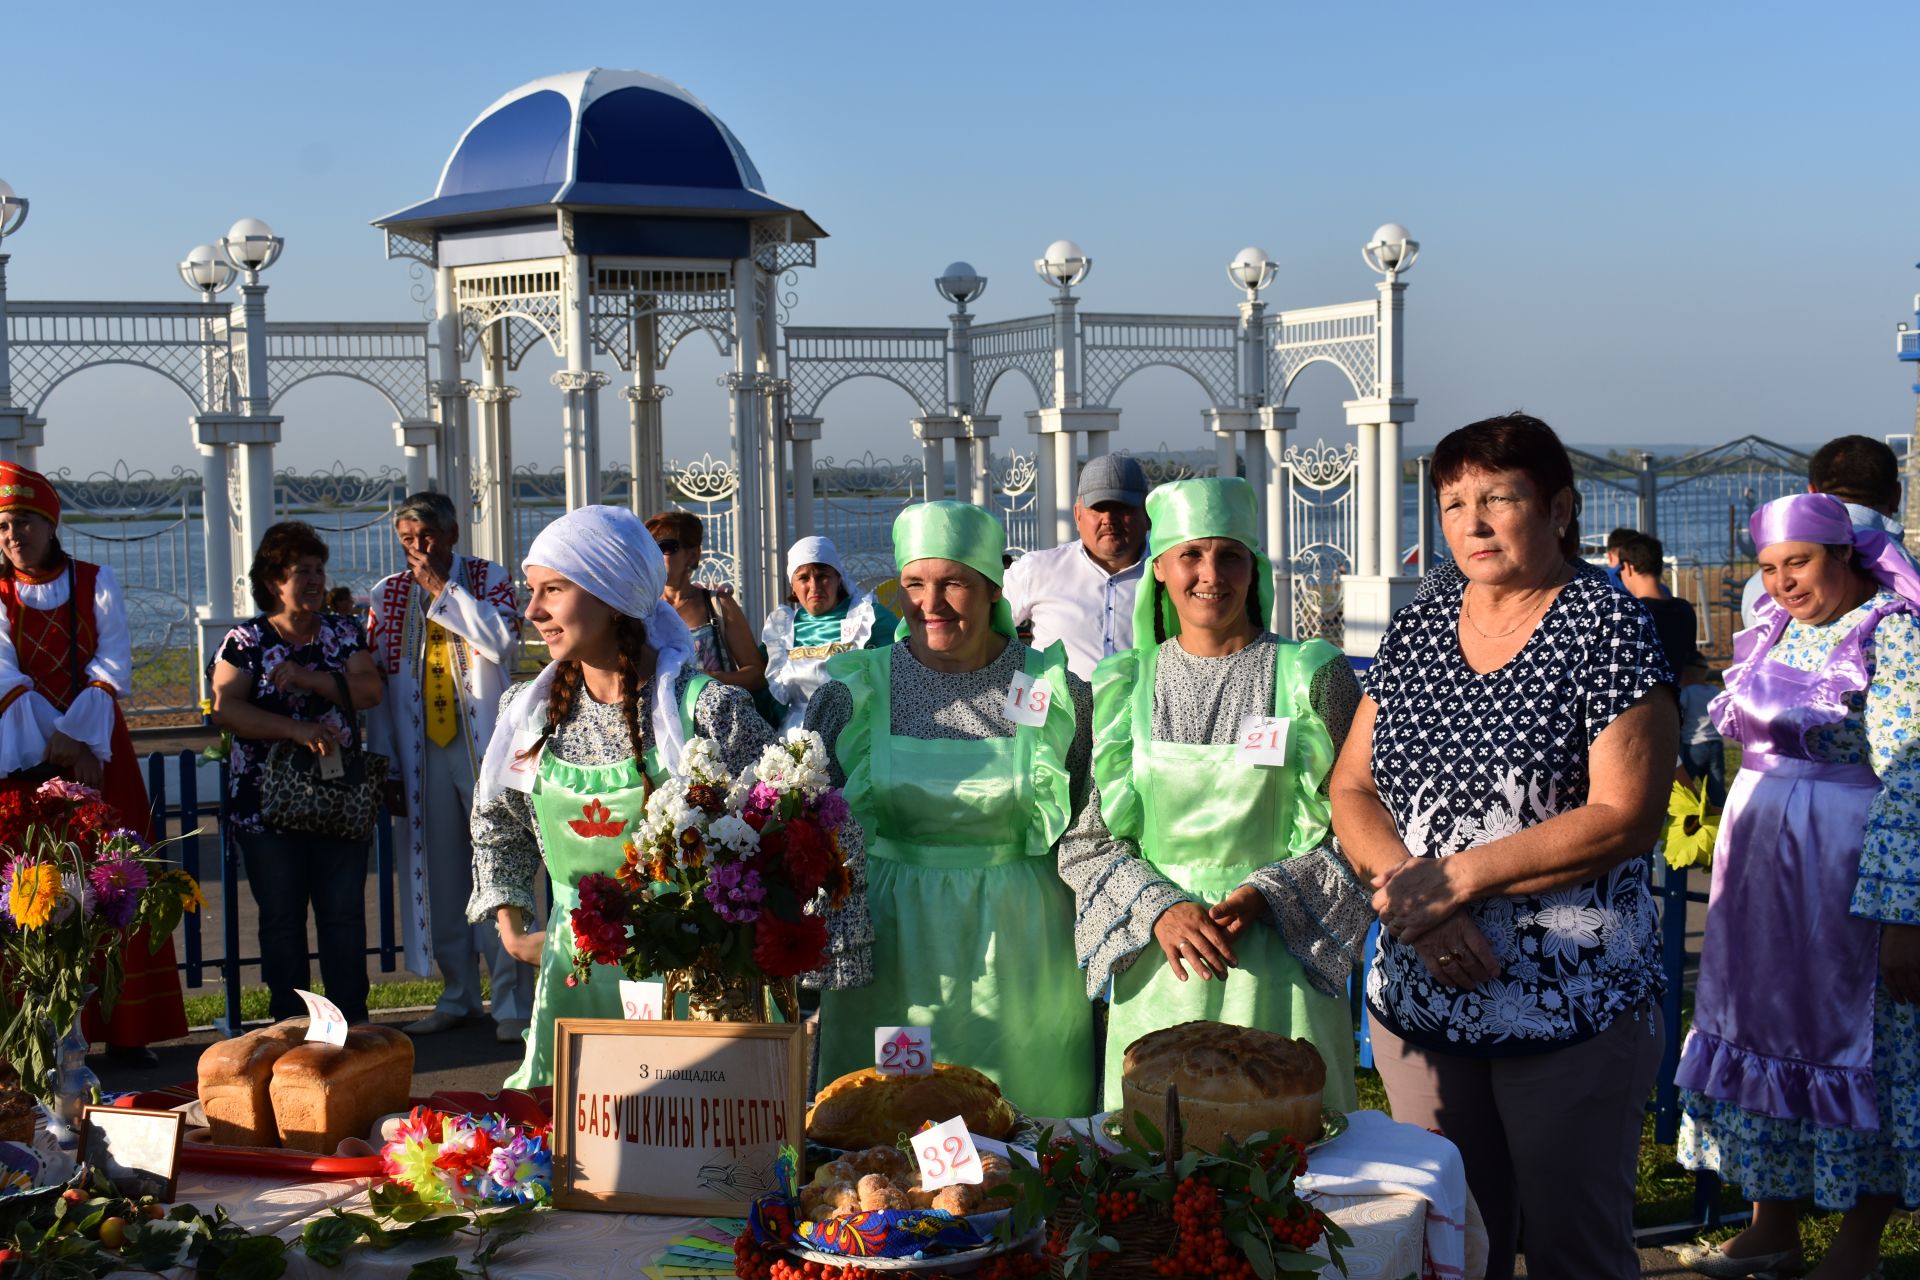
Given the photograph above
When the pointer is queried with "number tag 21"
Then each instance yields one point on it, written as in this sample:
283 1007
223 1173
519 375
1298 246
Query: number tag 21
947 1156
1262 740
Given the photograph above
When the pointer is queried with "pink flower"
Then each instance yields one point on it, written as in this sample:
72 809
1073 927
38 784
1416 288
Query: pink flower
61 789
831 809
763 798
117 881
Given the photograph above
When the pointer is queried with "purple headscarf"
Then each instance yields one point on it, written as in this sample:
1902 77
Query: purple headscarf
1819 517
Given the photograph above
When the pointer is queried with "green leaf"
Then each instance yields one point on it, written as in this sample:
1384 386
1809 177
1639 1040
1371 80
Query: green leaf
1149 1131
161 1242
1259 1252
252 1258
436 1269
327 1240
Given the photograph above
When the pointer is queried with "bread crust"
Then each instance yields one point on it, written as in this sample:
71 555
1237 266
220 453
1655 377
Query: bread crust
867 1109
323 1093
235 1078
1233 1082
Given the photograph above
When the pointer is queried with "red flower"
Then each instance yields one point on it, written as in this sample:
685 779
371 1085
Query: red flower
598 822
472 1159
803 849
782 948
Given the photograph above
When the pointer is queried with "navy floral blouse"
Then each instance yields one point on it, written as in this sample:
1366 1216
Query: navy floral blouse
257 648
1463 758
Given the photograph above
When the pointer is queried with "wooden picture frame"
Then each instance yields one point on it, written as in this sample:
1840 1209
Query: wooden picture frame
138 1150
683 1118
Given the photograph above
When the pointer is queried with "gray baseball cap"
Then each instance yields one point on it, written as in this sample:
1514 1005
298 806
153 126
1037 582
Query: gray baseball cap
1113 477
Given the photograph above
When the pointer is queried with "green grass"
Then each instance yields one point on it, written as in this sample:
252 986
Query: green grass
413 993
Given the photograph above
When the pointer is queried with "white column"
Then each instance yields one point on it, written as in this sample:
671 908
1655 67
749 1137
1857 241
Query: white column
1390 492
750 504
1365 489
648 456
256 454
1097 444
496 533
1066 475
216 522
981 429
1226 455
415 437
801 433
964 487
1275 423
1045 500
32 436
580 422
455 461
933 469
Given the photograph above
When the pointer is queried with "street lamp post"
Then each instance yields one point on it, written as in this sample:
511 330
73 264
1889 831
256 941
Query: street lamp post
1390 252
961 284
251 247
209 274
1064 265
1264 427
13 421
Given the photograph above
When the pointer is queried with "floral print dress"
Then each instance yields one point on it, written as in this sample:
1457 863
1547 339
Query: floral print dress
1775 1159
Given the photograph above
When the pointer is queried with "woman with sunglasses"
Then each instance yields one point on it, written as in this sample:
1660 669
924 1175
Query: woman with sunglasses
723 645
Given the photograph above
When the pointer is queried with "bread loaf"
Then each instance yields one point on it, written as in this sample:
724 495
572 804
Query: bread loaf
867 1109
1233 1082
323 1093
235 1076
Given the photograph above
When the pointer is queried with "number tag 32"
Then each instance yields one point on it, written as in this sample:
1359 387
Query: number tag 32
1028 698
1262 740
903 1051
946 1154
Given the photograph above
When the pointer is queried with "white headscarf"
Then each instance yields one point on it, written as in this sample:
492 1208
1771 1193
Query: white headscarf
608 553
815 550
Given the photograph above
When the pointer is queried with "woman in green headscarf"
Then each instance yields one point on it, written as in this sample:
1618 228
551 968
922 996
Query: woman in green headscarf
962 792
1204 876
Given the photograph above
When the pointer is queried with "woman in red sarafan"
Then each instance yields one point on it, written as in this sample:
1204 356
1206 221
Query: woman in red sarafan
66 659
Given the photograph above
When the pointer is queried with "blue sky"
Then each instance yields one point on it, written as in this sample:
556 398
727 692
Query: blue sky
1647 223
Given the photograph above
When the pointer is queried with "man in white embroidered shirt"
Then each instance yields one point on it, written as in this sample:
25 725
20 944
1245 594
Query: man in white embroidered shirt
1082 593
444 632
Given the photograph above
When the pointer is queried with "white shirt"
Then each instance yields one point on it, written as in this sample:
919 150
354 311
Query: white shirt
1863 518
1069 598
31 720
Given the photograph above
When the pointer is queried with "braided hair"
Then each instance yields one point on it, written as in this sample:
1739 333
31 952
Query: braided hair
637 659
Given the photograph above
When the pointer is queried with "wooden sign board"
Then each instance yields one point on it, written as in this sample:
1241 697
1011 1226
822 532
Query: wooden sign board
673 1117
138 1151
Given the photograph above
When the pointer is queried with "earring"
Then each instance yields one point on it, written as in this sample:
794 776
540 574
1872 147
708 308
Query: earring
1560 532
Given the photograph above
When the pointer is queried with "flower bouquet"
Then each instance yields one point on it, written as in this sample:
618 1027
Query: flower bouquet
720 875
75 884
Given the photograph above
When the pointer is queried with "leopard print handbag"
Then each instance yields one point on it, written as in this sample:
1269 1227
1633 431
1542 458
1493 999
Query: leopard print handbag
294 797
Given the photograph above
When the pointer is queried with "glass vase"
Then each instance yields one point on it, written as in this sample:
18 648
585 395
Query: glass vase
73 1084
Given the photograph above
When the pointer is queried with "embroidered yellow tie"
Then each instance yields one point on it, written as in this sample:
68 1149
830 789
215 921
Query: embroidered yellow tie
443 715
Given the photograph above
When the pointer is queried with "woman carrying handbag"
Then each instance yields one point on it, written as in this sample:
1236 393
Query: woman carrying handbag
296 674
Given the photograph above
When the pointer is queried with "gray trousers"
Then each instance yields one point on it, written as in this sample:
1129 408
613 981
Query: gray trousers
1550 1141
446 802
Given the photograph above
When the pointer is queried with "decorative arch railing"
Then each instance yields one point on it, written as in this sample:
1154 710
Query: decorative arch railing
390 358
531 293
1022 346
184 342
1344 336
818 360
1116 347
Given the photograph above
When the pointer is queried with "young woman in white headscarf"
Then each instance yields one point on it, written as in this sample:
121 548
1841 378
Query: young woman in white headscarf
824 615
620 695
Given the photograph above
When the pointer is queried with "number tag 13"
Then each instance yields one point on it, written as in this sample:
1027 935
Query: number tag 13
1262 740
947 1156
1028 698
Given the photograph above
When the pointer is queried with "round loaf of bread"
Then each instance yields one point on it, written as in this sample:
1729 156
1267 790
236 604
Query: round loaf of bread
1233 1082
867 1109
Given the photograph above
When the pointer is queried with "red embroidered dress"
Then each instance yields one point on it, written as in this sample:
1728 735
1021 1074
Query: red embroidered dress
53 648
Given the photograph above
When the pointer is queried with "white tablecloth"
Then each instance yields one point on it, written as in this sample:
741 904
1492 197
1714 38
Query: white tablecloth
1387 1233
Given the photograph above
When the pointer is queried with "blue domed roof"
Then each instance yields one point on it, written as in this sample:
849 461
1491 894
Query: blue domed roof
598 139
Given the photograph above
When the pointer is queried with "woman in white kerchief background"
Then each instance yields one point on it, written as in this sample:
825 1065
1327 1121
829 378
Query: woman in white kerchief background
562 777
824 615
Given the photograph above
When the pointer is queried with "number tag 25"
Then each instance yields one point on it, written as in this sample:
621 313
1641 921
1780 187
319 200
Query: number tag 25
1028 698
903 1051
1262 740
947 1156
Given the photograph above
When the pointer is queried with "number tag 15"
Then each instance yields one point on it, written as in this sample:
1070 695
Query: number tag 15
1028 698
947 1156
1262 740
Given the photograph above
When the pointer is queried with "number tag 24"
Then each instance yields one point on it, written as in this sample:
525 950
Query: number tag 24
947 1156
1262 740
1028 698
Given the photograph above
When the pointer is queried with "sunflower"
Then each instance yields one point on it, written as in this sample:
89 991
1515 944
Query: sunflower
1690 829
33 895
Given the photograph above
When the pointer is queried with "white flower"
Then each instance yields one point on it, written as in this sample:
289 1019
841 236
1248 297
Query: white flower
1571 924
1508 1009
702 762
732 833
742 785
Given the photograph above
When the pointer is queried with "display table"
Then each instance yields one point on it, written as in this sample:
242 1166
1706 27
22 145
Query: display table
1387 1233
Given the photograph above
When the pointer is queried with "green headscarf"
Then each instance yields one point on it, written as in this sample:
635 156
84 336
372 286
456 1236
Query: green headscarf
956 531
1183 511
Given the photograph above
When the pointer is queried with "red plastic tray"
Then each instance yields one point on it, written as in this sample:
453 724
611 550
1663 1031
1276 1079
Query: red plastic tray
519 1106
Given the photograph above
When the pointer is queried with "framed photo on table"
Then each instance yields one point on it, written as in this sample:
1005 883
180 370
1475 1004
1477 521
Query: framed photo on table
673 1117
137 1150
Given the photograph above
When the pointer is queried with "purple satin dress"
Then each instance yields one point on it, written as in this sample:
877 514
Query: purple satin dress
1783 1020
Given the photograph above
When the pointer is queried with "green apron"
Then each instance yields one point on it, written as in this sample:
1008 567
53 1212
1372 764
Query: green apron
972 926
1205 820
562 795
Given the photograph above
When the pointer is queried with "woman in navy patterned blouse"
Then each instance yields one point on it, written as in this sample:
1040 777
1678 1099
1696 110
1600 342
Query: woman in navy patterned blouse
1502 783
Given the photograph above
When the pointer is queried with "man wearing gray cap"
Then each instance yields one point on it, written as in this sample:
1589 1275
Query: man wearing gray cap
1082 593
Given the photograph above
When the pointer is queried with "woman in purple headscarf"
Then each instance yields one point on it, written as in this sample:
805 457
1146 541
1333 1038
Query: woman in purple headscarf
1801 1076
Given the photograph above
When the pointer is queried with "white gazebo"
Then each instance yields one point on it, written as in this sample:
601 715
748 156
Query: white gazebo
610 213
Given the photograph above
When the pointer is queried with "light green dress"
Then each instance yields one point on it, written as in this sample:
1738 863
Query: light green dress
565 794
972 926
1206 821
